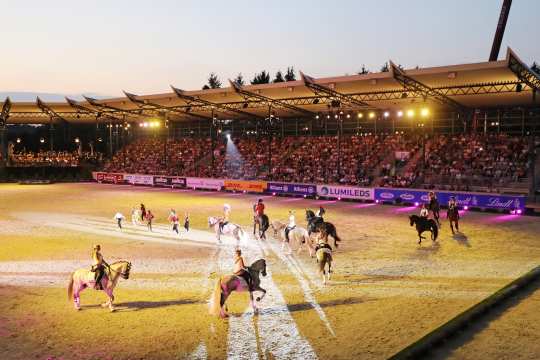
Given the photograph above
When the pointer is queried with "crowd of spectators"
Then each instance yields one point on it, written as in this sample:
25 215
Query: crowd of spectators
52 158
396 160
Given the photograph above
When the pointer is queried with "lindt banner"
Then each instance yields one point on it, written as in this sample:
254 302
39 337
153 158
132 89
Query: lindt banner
289 188
345 192
478 200
113 178
245 185
204 183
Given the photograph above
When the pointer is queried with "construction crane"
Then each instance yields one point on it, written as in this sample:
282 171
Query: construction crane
499 33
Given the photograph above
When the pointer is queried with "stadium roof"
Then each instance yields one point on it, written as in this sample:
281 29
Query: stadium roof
499 84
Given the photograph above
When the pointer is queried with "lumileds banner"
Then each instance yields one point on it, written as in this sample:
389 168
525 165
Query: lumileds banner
289 188
204 183
167 181
480 200
345 192
245 185
137 179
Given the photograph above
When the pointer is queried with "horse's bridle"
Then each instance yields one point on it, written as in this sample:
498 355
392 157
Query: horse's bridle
124 275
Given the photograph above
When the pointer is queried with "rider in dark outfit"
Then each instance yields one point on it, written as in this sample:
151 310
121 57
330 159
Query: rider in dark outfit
434 206
453 214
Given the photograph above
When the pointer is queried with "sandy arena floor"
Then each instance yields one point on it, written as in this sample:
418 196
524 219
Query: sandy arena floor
386 291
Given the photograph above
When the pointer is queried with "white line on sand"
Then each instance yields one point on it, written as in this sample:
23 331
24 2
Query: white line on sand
304 284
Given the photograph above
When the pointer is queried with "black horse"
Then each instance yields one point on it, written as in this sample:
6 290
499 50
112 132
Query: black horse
317 223
423 224
264 224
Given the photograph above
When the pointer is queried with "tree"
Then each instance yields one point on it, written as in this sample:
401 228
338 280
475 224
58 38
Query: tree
261 78
289 76
239 80
213 82
279 77
536 68
364 70
385 67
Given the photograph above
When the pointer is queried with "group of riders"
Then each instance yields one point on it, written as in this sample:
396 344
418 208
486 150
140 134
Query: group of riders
433 206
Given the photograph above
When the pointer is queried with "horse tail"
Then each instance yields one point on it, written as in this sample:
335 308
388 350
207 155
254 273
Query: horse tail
266 222
215 299
435 228
333 233
70 287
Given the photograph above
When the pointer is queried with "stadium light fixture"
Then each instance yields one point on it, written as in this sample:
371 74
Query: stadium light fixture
336 116
360 115
317 116
416 203
18 140
371 115
465 208
410 113
42 140
400 113
348 116
386 114
424 112
519 211
328 116
77 140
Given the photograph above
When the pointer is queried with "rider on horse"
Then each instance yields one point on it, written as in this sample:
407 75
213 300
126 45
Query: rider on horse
225 219
240 268
424 213
434 206
98 266
291 225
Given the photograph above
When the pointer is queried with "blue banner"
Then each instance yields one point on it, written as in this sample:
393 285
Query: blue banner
288 188
477 200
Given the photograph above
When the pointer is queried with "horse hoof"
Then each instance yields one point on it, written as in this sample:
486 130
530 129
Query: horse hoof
113 310
77 308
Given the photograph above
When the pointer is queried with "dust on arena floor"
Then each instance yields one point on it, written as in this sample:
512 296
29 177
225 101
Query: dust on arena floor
385 293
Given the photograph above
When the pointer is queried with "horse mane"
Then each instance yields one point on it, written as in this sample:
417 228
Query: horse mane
310 213
119 261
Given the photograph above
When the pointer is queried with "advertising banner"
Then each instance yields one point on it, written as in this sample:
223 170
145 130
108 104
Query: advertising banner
345 192
137 179
478 200
204 183
290 188
245 185
178 181
162 181
113 178
401 195
487 201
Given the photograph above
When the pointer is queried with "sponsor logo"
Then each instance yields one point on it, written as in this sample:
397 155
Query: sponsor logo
407 196
497 202
386 195
324 191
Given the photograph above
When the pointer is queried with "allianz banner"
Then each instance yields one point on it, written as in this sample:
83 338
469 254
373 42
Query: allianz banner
402 195
290 188
137 179
204 183
169 181
245 185
345 192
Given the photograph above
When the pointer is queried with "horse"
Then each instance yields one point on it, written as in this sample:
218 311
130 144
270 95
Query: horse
228 229
317 224
298 234
225 285
264 224
422 225
84 278
324 257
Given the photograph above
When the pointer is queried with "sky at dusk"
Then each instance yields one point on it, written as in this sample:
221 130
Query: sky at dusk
103 47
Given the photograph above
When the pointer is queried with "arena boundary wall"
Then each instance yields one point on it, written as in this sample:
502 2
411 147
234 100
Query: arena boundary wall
513 204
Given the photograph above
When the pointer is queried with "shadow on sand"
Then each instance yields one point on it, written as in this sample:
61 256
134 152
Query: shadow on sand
462 239
143 305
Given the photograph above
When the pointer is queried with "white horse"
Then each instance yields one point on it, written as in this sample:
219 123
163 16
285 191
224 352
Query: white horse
228 229
298 235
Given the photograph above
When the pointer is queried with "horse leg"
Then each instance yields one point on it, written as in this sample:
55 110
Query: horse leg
109 293
329 268
77 298
259 298
252 302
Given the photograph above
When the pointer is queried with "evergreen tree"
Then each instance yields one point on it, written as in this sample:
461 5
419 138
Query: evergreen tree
363 71
261 78
239 80
289 76
213 81
206 87
535 68
385 67
279 77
